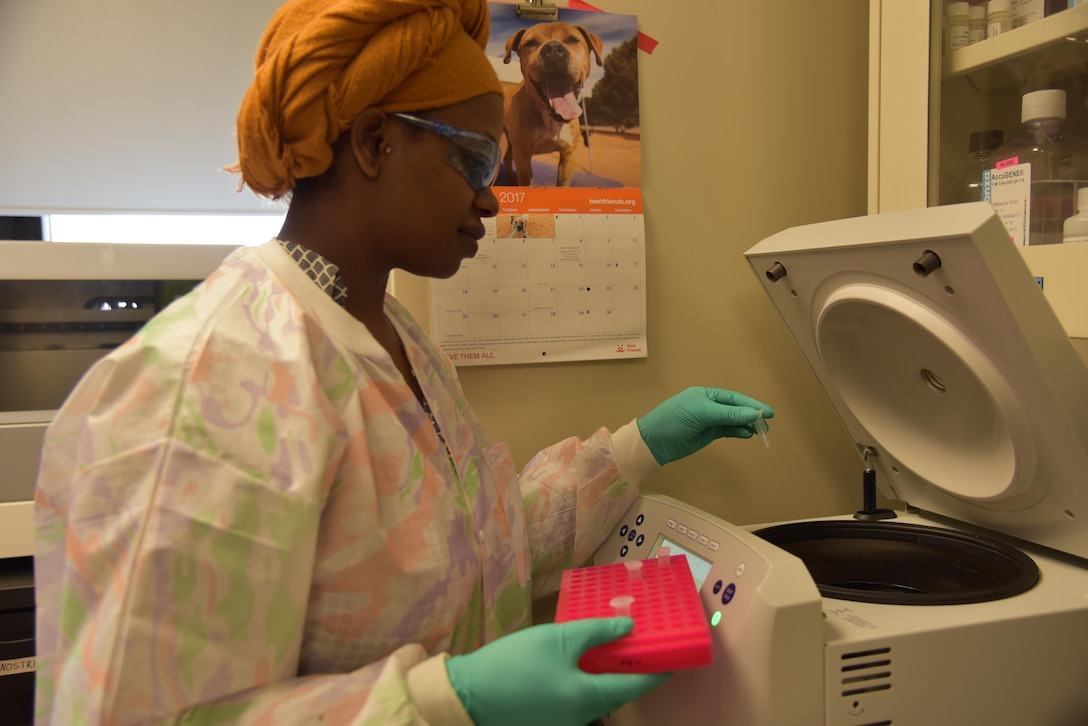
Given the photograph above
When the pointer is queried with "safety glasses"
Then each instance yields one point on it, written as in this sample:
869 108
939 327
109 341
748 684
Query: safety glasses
476 157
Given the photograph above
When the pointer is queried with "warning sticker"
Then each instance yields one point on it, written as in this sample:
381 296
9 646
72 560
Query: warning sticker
16 666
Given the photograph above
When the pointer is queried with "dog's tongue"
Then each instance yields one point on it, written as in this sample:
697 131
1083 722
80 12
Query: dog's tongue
563 102
566 106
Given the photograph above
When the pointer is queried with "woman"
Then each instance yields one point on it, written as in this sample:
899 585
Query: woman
273 504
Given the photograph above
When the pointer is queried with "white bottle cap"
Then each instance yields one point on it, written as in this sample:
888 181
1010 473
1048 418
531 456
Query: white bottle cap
1082 200
957 8
1043 104
1000 6
977 12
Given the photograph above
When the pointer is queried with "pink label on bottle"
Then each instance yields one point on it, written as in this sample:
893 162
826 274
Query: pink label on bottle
1008 162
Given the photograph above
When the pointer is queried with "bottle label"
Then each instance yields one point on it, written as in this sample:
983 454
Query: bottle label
958 37
1008 190
1027 11
1011 161
1081 238
998 25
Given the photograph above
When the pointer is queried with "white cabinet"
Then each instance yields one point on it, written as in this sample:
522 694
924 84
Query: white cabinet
924 103
899 104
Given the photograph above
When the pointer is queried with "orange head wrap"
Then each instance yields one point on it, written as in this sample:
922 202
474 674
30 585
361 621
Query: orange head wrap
322 62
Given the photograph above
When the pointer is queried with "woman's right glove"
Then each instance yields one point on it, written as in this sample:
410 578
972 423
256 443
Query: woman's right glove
531 677
691 419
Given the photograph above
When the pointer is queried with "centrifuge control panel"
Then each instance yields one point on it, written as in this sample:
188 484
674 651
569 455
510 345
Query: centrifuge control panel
723 559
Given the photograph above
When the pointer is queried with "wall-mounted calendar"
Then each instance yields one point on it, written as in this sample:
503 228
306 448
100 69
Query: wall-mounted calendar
559 276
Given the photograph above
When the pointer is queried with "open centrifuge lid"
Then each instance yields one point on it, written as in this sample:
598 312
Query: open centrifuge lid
939 352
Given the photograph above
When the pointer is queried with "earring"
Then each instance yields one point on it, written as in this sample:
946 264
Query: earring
389 149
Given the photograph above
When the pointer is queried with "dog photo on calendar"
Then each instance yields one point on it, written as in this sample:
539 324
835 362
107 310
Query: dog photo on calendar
525 226
571 98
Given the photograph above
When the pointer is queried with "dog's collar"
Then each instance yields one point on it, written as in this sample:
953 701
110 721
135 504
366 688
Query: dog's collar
548 104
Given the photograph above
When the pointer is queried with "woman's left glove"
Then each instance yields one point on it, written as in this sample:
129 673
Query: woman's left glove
531 677
693 418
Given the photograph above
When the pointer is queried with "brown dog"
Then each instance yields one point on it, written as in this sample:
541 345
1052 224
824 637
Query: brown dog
542 115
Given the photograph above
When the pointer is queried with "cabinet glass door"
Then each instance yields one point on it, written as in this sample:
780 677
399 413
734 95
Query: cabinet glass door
977 93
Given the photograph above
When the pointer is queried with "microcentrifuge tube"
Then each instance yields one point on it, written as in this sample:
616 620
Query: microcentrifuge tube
622 605
761 428
634 570
663 554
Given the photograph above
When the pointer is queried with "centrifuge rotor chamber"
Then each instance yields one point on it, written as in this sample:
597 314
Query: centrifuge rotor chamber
904 564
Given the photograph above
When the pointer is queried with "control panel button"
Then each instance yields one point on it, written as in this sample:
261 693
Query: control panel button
718 586
728 593
623 531
640 540
623 551
631 535
704 540
692 534
639 520
670 523
741 568
682 528
713 546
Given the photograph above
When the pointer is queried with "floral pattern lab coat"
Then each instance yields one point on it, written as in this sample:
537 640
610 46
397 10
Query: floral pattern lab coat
245 516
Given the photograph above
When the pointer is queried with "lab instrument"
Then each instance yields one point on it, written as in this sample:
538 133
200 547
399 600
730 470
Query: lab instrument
62 307
968 405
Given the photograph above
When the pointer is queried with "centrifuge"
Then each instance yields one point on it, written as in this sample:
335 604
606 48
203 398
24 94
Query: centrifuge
967 402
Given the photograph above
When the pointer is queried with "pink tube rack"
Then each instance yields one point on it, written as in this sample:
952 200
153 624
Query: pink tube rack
671 630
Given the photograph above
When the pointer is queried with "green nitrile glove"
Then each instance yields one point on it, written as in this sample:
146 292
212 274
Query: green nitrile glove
531 677
693 418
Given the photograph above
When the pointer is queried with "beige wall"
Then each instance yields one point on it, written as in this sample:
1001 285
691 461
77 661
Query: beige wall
753 120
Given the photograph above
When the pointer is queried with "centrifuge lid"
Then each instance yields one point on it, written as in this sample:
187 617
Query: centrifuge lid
940 353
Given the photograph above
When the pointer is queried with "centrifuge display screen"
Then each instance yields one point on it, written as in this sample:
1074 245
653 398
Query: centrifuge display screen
700 568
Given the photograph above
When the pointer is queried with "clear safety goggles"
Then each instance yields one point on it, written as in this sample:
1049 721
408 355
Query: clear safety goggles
476 157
